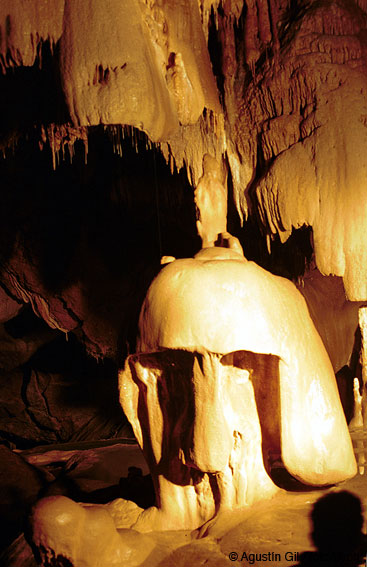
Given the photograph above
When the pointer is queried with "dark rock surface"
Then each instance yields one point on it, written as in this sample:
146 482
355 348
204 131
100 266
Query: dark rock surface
60 395
20 486
18 554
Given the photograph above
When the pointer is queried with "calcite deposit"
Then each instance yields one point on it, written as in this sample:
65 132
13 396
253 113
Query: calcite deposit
136 132
214 396
224 381
278 95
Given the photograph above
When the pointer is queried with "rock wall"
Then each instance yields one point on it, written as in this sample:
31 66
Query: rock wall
273 91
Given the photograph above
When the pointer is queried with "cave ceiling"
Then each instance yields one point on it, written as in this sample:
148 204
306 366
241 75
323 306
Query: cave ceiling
108 109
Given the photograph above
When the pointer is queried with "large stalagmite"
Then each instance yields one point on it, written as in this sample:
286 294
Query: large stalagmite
225 339
213 396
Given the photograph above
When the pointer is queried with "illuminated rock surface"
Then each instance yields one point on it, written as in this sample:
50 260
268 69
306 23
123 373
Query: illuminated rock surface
280 525
200 402
213 396
292 86
261 107
211 202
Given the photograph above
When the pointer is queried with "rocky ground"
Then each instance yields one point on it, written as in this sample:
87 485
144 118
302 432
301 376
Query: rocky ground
279 529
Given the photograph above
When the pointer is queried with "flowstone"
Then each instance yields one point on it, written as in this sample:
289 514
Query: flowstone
229 375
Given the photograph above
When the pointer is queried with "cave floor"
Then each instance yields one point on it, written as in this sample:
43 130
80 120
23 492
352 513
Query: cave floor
278 529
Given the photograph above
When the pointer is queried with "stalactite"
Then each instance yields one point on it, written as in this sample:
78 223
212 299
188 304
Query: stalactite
274 14
264 23
24 25
59 136
304 62
252 51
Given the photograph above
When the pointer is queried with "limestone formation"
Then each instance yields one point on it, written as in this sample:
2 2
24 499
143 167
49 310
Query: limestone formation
276 92
223 382
211 203
260 105
363 328
85 535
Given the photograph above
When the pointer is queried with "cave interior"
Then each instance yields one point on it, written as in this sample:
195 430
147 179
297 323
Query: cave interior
109 109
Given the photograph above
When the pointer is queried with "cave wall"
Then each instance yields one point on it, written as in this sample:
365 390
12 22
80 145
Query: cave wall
275 89
109 108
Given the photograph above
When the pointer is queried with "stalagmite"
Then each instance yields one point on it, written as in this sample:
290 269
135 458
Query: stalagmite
66 532
357 420
211 202
249 301
211 396
356 428
363 327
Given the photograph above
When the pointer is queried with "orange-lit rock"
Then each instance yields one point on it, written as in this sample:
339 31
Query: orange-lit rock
362 316
287 114
24 25
301 125
211 202
137 66
335 318
84 535
228 362
145 64
230 371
